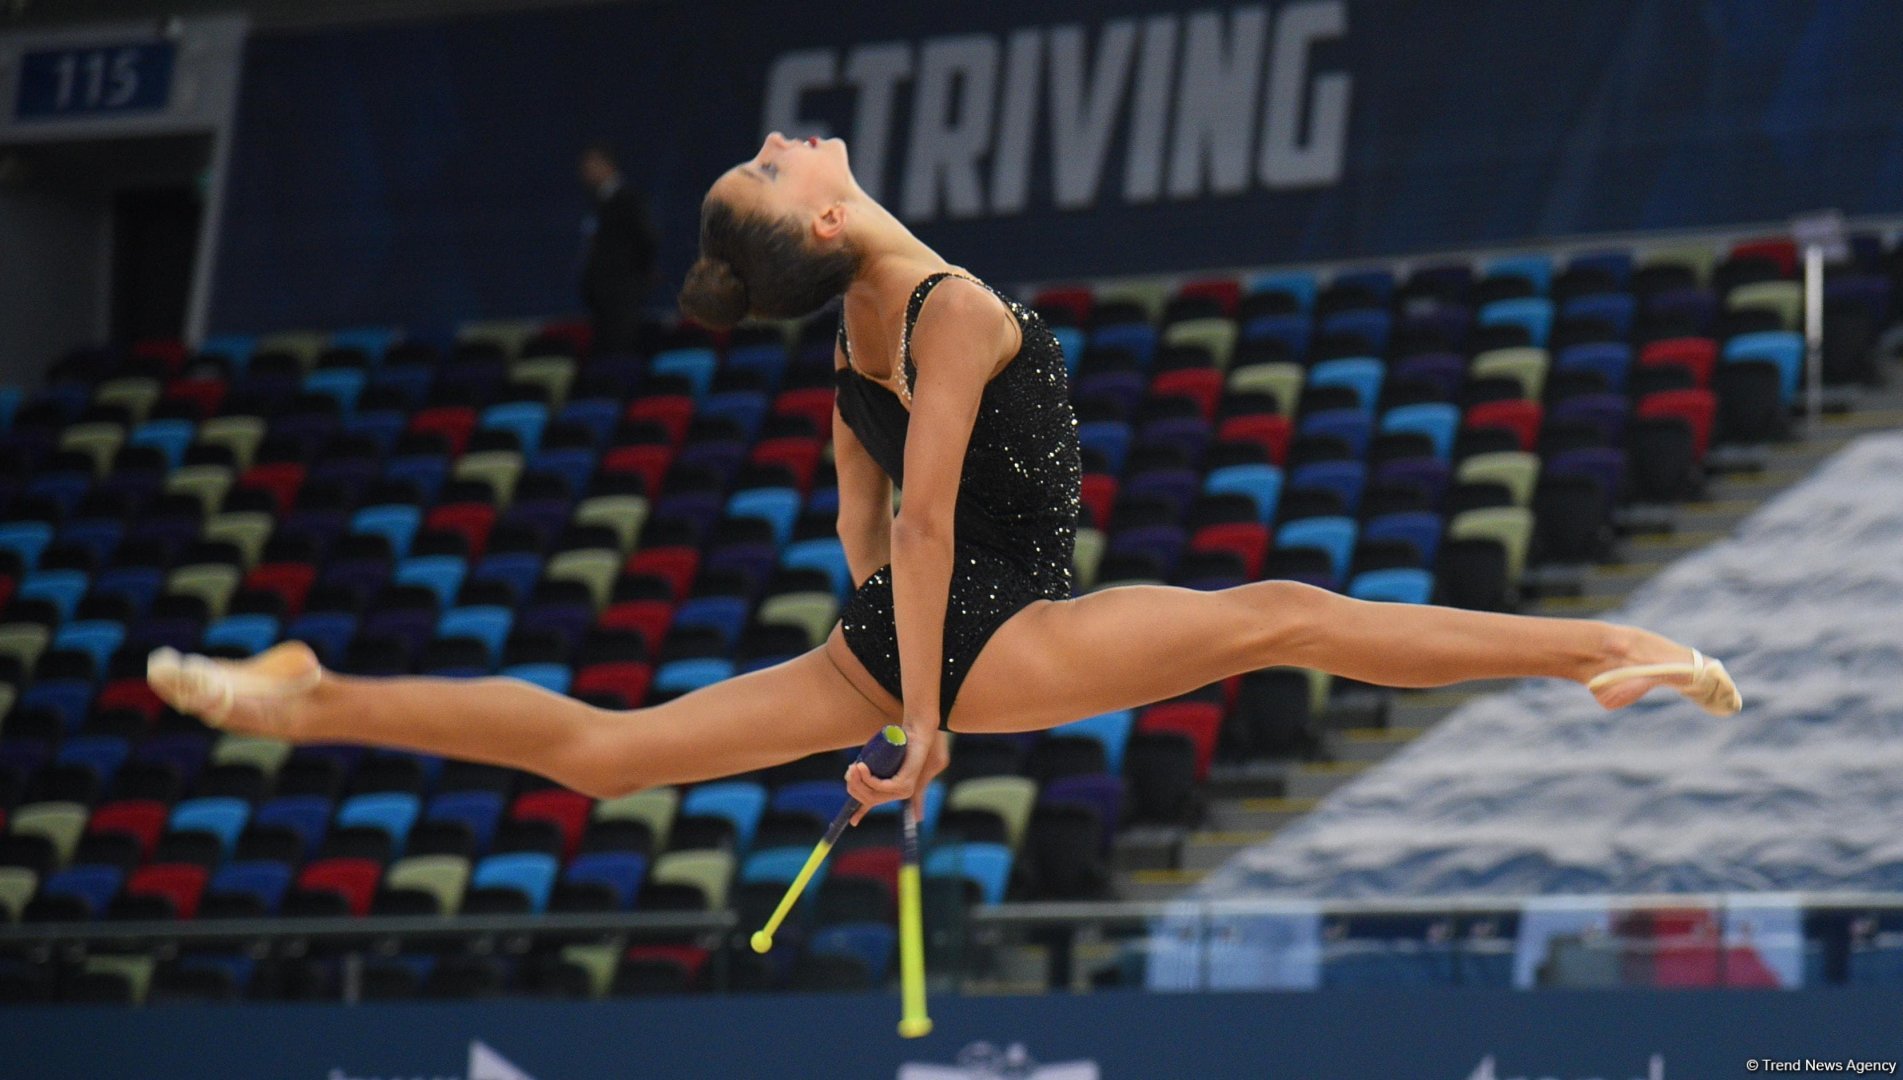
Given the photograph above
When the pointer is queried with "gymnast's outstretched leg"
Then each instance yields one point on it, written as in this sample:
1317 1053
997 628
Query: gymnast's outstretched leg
753 721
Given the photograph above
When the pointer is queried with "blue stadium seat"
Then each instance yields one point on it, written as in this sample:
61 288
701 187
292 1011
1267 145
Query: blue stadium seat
235 348
397 524
622 871
1616 310
391 811
1137 339
411 382
1111 729
95 885
170 436
738 801
69 699
524 419
97 638
27 539
820 798
727 614
328 633
681 676
870 943
1071 341
1351 426
1111 438
264 880
778 866
696 365
987 864
766 360
1436 420
746 408
530 873
222 816
1344 478
1370 325
372 341
779 507
440 574
1396 586
1617 263
1361 374
250 633
1783 349
1292 331
306 815
1299 284
480 810
598 415
103 754
62 588
1261 483
1537 269
342 385
1332 535
826 554
1421 528
100 536
1533 313
1611 359
552 677
519 570
488 624
426 471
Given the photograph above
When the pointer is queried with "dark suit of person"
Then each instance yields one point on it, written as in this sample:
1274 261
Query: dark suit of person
619 268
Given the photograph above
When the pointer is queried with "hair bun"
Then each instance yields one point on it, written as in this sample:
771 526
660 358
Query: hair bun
714 296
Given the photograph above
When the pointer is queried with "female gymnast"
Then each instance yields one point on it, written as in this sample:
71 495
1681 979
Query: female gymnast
954 391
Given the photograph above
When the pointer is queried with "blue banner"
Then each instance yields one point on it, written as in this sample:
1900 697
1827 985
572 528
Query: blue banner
426 172
1445 1035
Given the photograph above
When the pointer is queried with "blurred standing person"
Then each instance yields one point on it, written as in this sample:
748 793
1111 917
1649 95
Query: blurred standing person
619 268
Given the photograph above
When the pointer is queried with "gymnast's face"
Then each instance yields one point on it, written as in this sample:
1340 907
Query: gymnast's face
807 180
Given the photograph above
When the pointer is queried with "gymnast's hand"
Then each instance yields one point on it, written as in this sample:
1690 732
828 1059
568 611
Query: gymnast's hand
926 755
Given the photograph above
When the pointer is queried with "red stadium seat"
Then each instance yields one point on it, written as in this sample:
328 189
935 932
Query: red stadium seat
1267 430
203 395
168 353
452 422
1201 385
132 693
280 480
471 521
1099 494
143 819
814 403
672 411
649 462
691 958
353 879
628 678
290 581
1698 355
181 883
880 864
1199 721
1520 417
678 565
1778 249
649 618
1225 291
1698 408
1247 540
800 456
1078 301
577 332
568 810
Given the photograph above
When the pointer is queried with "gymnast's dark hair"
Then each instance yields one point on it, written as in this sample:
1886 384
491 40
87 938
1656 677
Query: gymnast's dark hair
766 268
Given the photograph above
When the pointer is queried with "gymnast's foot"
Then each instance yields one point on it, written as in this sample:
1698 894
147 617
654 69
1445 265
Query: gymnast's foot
1700 678
241 695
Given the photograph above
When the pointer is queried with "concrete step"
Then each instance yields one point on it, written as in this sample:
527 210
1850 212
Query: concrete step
1149 847
1242 815
1370 744
1316 779
1247 779
1206 851
1149 886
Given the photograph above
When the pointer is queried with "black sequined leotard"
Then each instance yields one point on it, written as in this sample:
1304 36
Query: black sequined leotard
1015 525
